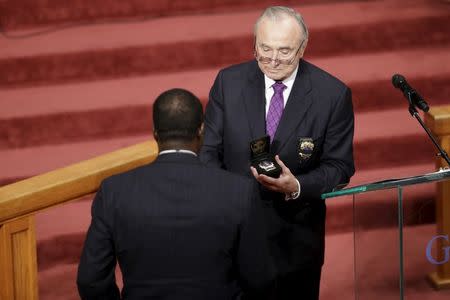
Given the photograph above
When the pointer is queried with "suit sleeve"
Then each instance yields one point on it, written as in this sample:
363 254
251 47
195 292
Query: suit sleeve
255 265
211 152
96 271
336 164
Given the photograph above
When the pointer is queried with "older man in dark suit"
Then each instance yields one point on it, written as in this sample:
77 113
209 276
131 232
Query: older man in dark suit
179 229
308 116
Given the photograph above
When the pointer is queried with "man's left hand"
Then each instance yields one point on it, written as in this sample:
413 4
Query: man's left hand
286 183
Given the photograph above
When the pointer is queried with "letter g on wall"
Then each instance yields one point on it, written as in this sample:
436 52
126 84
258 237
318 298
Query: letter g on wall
445 249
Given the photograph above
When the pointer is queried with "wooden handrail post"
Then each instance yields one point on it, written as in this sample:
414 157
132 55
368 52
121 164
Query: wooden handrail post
18 276
438 120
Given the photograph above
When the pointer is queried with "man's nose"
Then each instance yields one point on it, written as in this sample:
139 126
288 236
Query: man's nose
274 58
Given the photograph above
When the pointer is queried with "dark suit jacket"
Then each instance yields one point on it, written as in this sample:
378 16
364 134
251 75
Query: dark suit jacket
319 110
179 230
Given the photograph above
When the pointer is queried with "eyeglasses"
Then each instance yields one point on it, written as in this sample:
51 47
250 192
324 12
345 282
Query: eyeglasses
277 61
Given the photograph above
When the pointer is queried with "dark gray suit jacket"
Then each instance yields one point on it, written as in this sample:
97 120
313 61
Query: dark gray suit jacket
179 230
314 139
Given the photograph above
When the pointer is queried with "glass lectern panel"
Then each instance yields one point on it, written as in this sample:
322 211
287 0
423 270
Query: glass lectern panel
376 245
401 237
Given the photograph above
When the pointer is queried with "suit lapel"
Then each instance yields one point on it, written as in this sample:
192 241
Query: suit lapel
254 100
299 101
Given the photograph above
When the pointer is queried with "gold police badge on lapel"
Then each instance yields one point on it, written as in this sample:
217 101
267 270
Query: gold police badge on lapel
305 148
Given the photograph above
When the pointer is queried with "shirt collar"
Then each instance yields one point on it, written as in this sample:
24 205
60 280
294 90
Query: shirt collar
289 82
177 151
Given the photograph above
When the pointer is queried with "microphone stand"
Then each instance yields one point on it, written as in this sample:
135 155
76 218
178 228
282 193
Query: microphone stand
413 111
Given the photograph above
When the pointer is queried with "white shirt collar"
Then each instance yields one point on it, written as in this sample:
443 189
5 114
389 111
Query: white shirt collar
177 151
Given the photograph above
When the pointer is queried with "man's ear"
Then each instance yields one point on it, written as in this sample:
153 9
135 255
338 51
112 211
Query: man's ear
302 48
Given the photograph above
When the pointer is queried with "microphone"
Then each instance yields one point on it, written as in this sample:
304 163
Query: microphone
400 82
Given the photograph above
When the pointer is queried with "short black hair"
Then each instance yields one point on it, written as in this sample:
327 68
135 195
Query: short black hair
177 115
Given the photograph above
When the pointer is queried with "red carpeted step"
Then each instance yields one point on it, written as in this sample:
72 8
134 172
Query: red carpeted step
113 51
58 282
30 161
96 96
380 141
211 26
89 111
60 232
376 144
75 127
29 13
379 95
375 94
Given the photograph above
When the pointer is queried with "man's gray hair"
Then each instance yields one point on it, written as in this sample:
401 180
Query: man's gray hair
275 13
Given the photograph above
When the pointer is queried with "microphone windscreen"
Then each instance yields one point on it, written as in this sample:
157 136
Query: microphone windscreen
398 80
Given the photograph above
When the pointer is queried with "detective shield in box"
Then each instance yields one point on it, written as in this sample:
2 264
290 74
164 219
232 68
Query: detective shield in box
261 158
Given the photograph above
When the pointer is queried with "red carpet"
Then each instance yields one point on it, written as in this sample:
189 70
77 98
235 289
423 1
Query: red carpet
84 89
98 64
30 13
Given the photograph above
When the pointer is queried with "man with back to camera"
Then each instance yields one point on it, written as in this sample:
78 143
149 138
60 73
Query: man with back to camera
178 229
308 115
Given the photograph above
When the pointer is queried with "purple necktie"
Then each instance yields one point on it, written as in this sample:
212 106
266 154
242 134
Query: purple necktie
275 109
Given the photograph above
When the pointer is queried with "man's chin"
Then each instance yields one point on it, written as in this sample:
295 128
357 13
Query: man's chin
274 75
277 78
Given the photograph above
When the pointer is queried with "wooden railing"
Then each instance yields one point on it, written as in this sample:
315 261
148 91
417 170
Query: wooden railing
438 120
20 201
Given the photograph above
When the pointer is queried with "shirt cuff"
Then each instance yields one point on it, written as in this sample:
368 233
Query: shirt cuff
294 195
